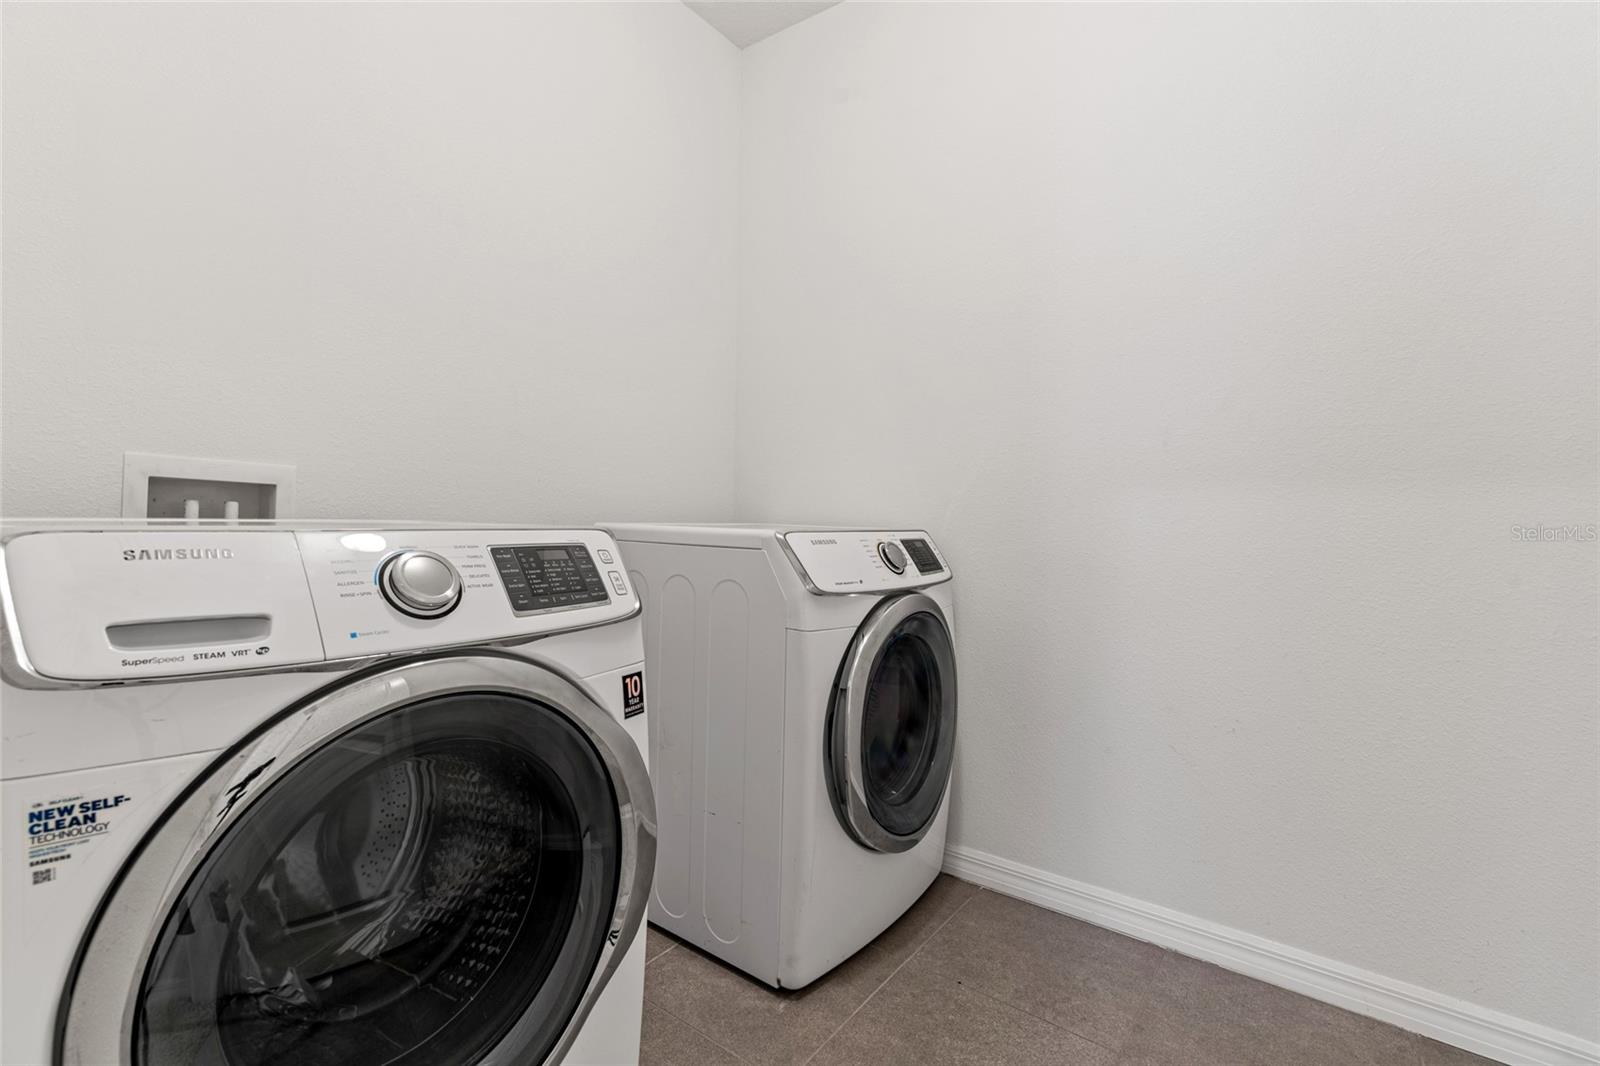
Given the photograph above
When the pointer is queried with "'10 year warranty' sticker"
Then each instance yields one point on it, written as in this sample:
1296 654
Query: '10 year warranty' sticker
633 694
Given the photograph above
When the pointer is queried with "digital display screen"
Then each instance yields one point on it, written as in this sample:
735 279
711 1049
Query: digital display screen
922 555
540 577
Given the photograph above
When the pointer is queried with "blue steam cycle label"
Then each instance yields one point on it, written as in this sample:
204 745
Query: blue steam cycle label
58 827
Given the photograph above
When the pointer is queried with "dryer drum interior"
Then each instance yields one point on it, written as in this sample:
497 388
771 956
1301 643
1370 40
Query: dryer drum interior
891 729
901 725
404 895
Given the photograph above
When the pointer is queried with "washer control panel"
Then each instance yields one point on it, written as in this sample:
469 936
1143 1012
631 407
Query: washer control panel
547 577
119 605
406 591
835 562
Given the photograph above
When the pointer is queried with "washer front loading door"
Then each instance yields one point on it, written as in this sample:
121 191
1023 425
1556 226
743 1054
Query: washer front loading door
892 727
440 862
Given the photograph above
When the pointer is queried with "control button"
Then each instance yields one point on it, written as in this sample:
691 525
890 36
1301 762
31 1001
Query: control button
605 556
892 555
616 582
421 584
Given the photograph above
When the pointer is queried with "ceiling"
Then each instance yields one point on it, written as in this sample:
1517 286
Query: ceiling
744 22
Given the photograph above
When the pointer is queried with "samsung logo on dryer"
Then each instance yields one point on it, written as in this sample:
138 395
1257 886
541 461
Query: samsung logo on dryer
143 555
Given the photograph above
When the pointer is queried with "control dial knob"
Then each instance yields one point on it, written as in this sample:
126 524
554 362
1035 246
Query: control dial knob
893 556
421 584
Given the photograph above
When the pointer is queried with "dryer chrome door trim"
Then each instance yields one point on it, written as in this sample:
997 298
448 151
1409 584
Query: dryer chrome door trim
96 1015
843 752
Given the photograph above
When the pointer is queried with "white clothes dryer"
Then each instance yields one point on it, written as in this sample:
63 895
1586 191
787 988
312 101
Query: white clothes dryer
803 723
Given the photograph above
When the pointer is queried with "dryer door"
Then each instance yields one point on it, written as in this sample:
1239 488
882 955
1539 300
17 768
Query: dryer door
892 726
439 862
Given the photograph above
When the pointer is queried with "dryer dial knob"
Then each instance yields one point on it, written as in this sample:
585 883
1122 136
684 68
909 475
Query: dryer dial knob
421 584
893 556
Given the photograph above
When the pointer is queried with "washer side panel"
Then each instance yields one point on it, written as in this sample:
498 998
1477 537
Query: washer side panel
55 876
611 1035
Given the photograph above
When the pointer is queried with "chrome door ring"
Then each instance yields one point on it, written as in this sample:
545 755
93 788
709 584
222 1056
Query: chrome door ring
100 1001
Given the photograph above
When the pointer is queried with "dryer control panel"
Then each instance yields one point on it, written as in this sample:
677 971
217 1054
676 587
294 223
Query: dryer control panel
110 606
834 562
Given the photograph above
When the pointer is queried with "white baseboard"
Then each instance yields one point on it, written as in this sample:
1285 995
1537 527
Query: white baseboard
1420 1010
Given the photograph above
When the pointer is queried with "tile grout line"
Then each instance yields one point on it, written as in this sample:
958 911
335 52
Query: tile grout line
862 1005
671 943
672 946
1038 1018
1020 1009
695 1028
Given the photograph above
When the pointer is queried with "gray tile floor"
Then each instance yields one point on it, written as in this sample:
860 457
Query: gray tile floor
968 976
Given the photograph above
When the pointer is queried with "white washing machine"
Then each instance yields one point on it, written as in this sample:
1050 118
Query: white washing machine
803 722
322 796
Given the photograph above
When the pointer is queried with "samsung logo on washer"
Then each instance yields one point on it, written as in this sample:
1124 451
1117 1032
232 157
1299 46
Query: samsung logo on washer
140 555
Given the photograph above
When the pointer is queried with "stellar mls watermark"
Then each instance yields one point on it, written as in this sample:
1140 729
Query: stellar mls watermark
1581 534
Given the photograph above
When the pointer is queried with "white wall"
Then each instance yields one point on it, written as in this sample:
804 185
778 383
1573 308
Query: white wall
453 261
1221 347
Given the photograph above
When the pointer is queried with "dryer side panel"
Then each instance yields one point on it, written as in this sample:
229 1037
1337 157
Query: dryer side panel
715 652
725 741
670 659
